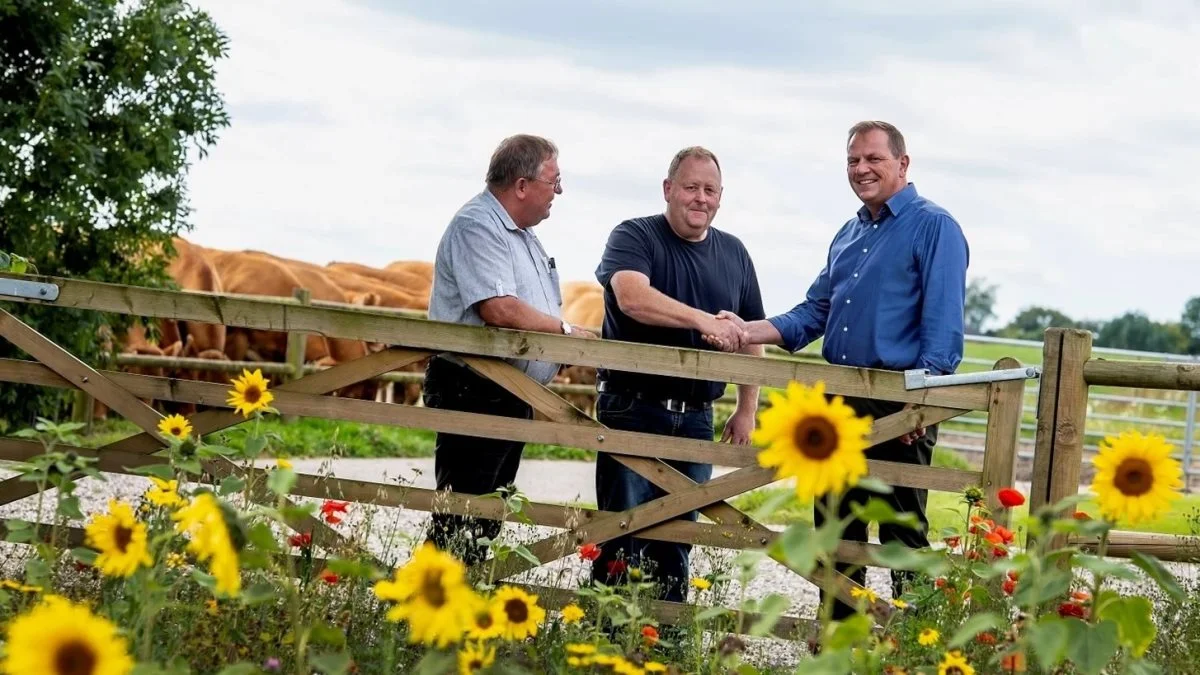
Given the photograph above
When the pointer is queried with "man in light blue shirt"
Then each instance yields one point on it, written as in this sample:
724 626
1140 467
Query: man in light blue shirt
490 269
890 296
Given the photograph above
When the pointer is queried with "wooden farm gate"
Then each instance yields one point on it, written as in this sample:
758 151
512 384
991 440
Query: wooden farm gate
483 348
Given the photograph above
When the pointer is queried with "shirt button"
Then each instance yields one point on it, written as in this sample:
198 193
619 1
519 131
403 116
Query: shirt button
875 226
856 275
847 301
843 357
864 250
845 328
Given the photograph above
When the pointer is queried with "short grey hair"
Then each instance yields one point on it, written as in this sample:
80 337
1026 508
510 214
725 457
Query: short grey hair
519 156
895 138
693 151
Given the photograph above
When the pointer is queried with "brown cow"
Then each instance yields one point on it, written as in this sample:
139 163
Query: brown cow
583 305
412 285
192 270
261 274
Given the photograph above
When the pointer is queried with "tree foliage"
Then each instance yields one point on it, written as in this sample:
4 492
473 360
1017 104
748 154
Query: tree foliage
980 306
103 106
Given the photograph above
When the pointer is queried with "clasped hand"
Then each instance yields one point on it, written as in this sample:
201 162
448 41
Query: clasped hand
726 331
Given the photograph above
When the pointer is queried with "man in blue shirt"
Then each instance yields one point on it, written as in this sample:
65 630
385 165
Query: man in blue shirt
890 296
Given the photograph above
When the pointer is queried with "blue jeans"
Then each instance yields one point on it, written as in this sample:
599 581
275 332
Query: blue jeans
619 488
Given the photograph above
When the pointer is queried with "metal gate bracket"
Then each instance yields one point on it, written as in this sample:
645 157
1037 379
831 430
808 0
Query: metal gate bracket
28 290
919 378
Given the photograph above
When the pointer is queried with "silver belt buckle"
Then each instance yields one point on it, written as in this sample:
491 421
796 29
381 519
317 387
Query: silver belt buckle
672 403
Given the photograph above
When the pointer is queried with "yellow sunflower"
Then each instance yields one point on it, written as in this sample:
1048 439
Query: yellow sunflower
175 426
165 493
522 616
211 541
928 637
864 592
1136 477
473 658
572 613
818 442
250 393
954 663
487 621
432 596
120 539
58 637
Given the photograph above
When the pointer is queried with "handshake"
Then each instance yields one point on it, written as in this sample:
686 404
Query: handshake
726 331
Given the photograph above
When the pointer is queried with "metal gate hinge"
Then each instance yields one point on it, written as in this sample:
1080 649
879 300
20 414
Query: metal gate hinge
28 290
919 378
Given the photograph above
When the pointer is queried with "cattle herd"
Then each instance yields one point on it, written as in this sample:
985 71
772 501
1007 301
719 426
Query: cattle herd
404 284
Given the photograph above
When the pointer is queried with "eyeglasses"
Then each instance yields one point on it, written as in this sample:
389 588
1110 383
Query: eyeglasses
556 183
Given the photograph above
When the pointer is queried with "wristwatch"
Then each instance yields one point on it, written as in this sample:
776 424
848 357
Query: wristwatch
566 328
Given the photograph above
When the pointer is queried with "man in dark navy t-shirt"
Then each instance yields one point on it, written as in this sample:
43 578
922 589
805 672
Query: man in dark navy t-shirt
665 279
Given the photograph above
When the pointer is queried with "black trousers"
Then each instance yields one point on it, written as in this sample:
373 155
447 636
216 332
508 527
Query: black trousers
469 464
902 499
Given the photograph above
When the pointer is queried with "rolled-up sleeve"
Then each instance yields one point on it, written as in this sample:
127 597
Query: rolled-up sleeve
482 263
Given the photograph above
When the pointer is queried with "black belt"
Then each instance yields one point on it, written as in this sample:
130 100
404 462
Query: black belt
673 404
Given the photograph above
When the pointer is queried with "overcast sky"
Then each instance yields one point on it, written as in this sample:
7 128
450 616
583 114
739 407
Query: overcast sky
1063 136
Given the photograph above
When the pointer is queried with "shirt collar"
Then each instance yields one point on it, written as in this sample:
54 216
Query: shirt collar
494 204
894 205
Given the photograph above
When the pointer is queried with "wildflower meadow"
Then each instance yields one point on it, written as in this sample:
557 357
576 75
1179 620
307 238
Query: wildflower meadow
224 576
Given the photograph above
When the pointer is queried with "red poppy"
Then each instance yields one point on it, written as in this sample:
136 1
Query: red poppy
328 577
1009 586
952 542
589 551
330 508
1080 515
616 568
985 639
650 634
1013 663
939 582
1067 609
303 540
1010 497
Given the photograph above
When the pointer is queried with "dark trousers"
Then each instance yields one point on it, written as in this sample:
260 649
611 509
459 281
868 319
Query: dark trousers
469 464
902 499
619 488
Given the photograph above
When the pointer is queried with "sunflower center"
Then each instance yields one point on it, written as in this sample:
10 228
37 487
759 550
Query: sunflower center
176 431
74 658
475 664
815 437
1134 477
483 620
954 670
516 610
432 589
122 535
252 394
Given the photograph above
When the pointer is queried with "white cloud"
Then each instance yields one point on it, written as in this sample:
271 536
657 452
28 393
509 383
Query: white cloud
358 132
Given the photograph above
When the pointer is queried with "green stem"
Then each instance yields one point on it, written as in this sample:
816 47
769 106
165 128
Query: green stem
1099 580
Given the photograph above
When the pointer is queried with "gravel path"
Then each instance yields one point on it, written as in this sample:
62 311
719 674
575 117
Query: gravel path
392 533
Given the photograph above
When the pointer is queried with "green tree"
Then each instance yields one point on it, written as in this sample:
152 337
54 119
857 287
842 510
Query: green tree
1031 323
102 104
1190 324
980 306
1134 330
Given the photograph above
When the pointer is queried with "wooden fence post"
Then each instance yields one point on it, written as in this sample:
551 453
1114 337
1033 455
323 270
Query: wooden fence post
1005 409
1061 419
296 344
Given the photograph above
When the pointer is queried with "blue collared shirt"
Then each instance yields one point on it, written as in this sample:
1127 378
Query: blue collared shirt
891 293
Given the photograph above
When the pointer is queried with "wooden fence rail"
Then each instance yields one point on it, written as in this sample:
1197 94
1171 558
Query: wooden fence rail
484 350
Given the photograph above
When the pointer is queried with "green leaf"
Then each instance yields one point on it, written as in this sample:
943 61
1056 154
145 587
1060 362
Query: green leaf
527 554
242 668
775 500
879 511
331 663
770 609
327 635
832 662
1105 567
18 265
1151 565
1091 646
15 524
163 471
5 262
19 536
1049 637
190 465
800 546
872 484
1135 622
259 593
1050 584
253 446
436 663
849 632
711 613
281 481
974 626
900 557
230 485
1143 668
262 537
68 507
351 568
85 555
